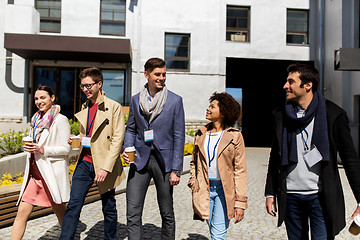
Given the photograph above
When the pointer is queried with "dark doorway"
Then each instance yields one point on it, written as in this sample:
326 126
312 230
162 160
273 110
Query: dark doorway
65 83
262 83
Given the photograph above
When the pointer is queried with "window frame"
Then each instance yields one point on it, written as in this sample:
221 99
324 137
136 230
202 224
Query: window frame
178 58
47 19
237 29
111 21
298 32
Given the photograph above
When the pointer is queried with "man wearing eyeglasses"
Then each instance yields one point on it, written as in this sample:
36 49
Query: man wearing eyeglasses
102 129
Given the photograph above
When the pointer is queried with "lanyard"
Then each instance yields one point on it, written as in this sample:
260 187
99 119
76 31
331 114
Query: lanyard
149 96
88 126
208 151
306 147
35 126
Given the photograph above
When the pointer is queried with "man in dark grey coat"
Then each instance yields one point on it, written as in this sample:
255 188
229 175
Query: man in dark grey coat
303 176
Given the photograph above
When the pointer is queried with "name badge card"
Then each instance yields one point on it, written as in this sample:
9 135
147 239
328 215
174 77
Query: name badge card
86 142
149 135
212 173
312 157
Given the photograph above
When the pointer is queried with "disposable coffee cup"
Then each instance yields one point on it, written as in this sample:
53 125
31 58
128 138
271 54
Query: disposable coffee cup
75 142
130 151
26 140
355 226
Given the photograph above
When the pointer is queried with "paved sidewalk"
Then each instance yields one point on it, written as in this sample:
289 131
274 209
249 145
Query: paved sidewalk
256 225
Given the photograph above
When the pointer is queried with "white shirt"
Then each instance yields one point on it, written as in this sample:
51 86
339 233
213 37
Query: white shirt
213 169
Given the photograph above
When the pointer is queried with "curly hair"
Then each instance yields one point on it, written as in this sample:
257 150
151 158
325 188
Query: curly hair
228 106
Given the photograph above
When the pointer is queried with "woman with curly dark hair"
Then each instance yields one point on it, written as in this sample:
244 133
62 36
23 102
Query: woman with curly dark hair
218 167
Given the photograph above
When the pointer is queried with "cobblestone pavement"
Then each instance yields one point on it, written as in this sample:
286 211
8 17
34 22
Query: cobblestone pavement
257 224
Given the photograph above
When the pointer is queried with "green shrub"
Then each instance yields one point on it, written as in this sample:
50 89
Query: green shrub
74 127
11 141
190 132
126 117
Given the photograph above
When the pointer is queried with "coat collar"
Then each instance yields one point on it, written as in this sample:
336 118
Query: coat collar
101 115
226 138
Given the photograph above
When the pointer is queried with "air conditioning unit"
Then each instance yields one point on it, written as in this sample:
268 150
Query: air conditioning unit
238 38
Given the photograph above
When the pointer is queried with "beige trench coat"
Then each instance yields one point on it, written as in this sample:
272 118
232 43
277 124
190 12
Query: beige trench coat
232 168
106 140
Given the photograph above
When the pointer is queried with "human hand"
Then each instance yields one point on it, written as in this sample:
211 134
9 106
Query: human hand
69 139
100 176
126 157
32 148
239 214
174 180
356 212
270 206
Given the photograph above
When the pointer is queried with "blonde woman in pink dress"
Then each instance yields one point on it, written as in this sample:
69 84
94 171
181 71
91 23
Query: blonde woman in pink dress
46 177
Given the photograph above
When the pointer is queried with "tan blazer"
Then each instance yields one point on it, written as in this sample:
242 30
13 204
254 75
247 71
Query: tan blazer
106 140
232 168
53 165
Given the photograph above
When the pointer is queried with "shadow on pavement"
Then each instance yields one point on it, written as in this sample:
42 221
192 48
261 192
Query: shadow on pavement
54 232
195 236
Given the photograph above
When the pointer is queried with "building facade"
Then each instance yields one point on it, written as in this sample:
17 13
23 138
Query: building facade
239 46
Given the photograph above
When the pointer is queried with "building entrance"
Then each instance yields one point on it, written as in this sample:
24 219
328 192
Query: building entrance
261 83
65 82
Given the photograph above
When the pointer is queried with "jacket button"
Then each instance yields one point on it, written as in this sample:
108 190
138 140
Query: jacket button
106 109
279 171
108 137
107 122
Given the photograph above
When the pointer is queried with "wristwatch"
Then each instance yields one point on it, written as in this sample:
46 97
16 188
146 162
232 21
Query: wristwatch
177 173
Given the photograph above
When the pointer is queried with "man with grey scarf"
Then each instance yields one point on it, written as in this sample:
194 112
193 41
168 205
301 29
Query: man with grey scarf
156 128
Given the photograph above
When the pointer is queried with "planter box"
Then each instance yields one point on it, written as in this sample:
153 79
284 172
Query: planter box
13 164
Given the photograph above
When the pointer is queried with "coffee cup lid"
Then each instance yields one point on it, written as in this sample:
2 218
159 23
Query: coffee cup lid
357 220
27 138
74 137
130 149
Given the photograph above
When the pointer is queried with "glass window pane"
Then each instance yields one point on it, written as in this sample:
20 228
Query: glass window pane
174 64
43 12
296 38
106 15
66 93
50 26
242 23
55 13
119 16
112 28
231 22
114 84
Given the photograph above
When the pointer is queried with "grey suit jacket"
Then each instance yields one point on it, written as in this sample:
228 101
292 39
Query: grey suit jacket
169 133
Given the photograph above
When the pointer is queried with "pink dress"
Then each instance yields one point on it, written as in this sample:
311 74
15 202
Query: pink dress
36 191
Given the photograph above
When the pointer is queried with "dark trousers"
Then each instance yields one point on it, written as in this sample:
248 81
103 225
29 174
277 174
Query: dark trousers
81 182
137 185
300 210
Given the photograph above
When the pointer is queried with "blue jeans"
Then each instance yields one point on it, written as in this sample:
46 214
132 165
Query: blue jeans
219 221
82 180
299 209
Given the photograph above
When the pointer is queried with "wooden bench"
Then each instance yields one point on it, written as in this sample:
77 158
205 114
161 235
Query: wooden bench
9 196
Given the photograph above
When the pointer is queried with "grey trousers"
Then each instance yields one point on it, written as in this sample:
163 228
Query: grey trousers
137 185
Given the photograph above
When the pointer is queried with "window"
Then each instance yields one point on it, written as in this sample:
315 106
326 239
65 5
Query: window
177 51
238 24
50 15
114 85
112 17
297 26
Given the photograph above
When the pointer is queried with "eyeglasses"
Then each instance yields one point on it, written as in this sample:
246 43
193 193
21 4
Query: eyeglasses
87 86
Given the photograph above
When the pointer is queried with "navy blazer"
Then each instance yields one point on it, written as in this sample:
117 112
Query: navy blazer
340 141
169 133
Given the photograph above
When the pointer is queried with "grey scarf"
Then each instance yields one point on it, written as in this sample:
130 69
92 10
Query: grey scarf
152 107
